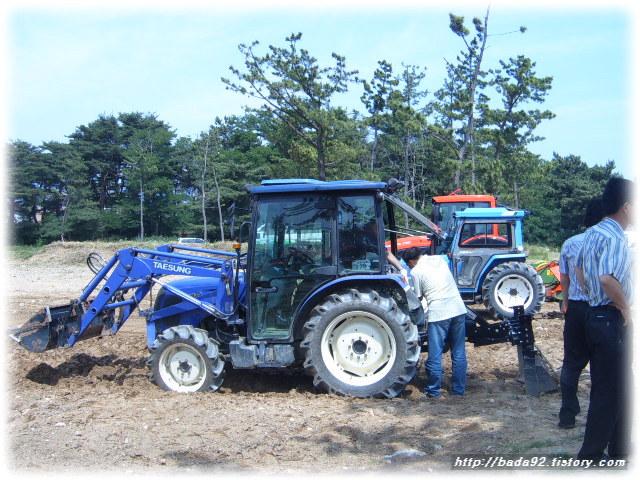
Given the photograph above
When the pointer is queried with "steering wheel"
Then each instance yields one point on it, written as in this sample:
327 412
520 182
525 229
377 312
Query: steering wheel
296 259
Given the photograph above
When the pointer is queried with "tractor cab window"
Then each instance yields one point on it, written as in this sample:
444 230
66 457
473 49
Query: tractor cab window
475 247
292 240
445 219
485 235
358 235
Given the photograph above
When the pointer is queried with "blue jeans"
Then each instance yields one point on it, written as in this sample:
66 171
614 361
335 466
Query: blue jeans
454 329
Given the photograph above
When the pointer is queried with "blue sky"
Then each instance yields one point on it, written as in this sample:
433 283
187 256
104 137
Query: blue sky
66 66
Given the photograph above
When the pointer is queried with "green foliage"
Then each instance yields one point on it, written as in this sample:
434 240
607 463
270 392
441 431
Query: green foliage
129 176
22 252
541 253
559 198
458 103
295 90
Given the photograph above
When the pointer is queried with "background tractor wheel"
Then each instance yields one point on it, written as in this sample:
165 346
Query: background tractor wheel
184 359
360 343
509 285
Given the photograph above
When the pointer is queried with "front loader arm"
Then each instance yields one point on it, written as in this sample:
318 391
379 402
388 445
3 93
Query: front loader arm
129 269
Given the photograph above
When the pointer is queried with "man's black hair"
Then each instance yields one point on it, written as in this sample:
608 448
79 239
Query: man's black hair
412 253
617 192
593 213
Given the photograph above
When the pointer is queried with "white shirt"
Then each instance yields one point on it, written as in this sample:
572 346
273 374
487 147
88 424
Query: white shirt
433 280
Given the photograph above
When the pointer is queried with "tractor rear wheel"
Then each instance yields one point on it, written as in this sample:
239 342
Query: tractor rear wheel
512 284
184 359
360 343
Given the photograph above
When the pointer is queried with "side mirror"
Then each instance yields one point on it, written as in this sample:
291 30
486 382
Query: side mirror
243 227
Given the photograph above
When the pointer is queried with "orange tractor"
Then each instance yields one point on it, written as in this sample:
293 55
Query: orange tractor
444 206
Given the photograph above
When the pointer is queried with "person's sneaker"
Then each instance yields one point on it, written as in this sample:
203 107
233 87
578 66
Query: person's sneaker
437 394
562 424
428 395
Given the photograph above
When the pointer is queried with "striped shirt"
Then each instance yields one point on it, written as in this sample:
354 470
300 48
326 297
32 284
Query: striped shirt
433 280
568 255
605 252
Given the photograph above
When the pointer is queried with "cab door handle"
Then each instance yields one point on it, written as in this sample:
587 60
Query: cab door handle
266 289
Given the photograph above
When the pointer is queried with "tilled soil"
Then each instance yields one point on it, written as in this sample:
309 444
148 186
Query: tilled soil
92 408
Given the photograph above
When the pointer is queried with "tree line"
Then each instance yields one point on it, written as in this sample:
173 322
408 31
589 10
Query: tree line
129 175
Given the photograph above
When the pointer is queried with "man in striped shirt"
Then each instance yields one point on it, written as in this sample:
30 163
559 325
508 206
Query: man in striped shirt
446 312
605 262
574 305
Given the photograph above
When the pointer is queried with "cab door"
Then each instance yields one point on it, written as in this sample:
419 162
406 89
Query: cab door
292 256
474 246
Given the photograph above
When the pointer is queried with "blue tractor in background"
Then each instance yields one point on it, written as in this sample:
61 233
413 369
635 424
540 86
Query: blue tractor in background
486 254
314 291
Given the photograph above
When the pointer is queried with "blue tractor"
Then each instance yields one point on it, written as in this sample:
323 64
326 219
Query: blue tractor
314 291
486 254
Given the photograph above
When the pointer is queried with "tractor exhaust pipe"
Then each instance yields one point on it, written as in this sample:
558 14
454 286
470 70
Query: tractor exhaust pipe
52 326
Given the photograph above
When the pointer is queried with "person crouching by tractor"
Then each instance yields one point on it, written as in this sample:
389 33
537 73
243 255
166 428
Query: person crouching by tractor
445 311
574 306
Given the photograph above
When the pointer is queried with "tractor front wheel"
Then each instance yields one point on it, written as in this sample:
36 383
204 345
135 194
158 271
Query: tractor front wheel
184 359
360 343
512 284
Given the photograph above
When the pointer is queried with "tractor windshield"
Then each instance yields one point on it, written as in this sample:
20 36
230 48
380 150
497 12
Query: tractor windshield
445 219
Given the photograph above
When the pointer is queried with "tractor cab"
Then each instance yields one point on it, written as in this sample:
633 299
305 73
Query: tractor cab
309 236
483 236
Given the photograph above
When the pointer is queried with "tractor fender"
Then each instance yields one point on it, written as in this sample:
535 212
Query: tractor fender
169 310
495 261
403 293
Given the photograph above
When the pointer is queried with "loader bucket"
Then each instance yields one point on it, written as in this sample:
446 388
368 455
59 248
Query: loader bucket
51 327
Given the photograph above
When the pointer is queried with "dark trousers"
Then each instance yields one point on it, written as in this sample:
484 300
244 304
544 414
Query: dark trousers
608 419
576 357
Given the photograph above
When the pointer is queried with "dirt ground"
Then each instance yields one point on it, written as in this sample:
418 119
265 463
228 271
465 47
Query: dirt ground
92 409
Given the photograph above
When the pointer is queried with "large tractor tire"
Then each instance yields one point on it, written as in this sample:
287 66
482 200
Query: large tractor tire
509 285
184 359
360 343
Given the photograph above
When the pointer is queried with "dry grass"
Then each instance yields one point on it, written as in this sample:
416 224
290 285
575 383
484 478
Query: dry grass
72 253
